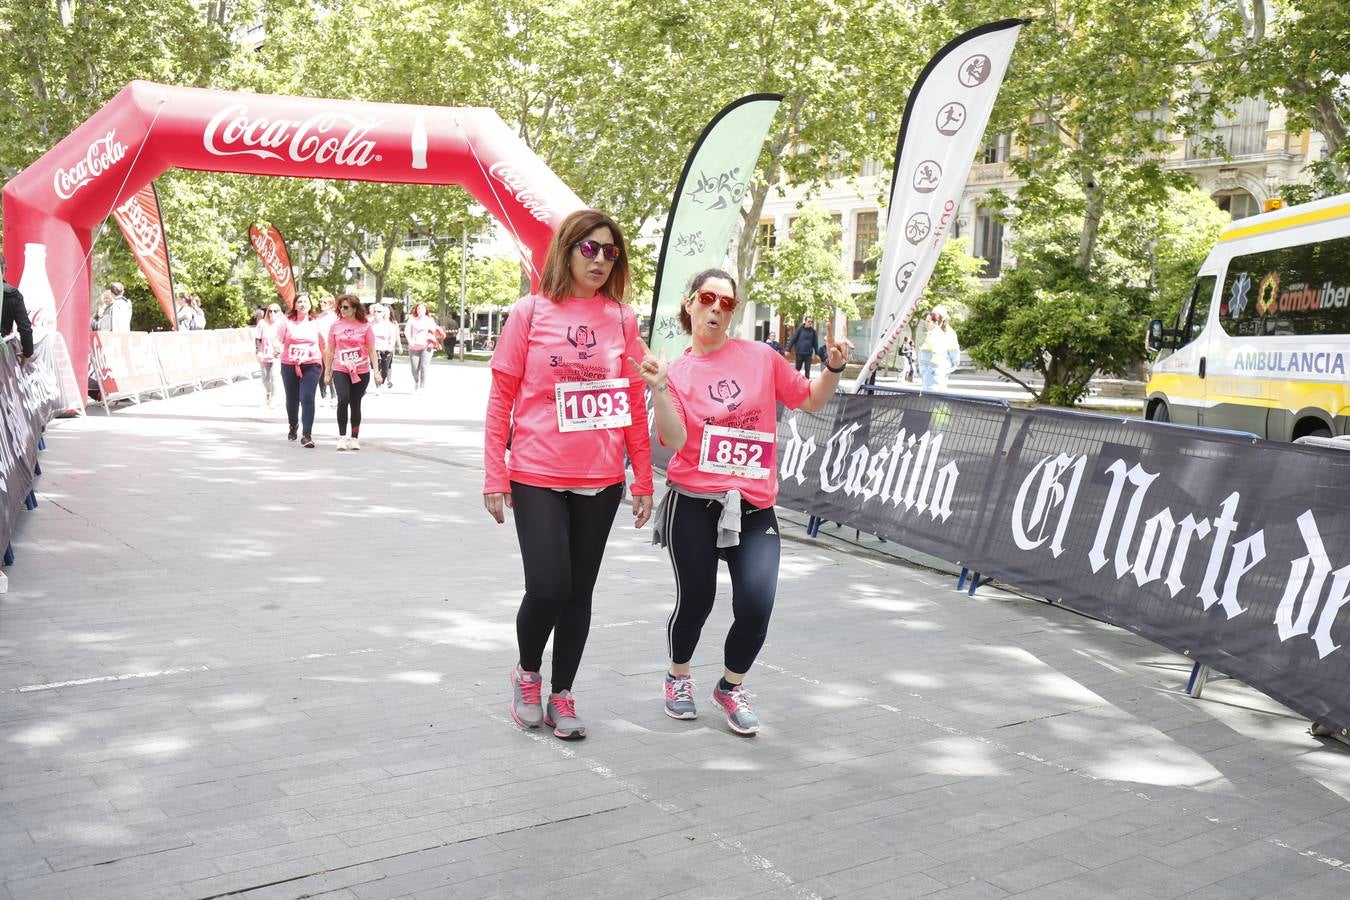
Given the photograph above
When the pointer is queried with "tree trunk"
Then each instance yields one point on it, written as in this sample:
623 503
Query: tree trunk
745 245
1092 221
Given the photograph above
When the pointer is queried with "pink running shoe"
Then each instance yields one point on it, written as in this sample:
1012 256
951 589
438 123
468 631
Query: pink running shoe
560 714
680 697
525 698
736 704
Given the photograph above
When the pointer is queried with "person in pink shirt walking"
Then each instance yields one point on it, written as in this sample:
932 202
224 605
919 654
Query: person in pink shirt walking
266 342
386 341
716 408
420 329
326 317
348 364
301 367
567 400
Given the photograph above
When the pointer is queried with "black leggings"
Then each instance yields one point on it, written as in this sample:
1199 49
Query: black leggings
349 393
691 529
562 540
386 358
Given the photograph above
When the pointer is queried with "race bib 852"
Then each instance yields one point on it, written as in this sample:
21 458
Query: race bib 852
735 451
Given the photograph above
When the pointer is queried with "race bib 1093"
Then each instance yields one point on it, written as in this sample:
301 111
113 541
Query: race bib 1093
590 405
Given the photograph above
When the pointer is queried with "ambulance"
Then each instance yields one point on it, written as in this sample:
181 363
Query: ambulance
1262 342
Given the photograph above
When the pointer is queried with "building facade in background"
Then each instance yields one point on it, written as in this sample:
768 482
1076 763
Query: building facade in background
1264 155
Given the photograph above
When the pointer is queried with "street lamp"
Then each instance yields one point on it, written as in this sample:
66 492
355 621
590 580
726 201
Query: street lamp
473 211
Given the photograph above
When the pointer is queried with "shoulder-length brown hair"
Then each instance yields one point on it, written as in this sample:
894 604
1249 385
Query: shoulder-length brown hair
358 308
555 282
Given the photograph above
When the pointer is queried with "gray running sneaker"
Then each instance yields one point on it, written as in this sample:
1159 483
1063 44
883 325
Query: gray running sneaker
525 706
561 715
736 704
680 697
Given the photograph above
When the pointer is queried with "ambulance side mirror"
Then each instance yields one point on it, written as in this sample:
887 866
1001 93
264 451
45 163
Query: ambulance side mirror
1154 340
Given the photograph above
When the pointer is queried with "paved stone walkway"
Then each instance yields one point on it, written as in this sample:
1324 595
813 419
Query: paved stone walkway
233 667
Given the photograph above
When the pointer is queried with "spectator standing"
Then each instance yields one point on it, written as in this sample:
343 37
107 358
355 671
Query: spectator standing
185 316
121 307
803 344
907 358
14 316
103 313
198 314
941 351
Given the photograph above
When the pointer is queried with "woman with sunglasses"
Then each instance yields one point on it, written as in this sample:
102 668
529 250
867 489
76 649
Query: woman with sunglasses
348 364
302 346
420 329
716 409
386 339
265 340
567 396
326 317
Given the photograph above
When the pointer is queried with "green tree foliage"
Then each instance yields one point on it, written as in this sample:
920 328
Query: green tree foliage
64 59
1068 324
802 276
1296 53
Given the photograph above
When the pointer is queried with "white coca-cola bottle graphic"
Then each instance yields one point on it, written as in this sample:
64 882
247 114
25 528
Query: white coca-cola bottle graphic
36 288
419 144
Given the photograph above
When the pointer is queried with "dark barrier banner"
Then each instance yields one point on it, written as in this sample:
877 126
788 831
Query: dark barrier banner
1232 551
26 404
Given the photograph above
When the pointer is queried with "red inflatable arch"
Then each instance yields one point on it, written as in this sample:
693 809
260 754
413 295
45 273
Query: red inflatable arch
60 199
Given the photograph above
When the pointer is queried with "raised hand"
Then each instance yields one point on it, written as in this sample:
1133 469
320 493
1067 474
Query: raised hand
652 369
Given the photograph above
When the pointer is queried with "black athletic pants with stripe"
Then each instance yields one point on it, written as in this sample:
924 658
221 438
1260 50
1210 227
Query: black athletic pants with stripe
691 531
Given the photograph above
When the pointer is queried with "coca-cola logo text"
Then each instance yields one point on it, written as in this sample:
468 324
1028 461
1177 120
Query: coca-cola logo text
325 137
143 233
520 190
102 155
270 254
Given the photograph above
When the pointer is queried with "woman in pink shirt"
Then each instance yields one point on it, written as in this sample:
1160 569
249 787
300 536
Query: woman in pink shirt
567 399
265 340
386 340
420 330
348 365
301 367
716 408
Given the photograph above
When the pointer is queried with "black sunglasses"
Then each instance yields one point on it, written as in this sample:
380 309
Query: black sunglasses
590 248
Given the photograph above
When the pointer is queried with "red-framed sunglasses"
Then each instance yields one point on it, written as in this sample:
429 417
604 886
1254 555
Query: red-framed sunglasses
590 249
708 298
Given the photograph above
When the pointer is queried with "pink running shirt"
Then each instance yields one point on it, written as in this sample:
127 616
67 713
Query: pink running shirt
350 341
300 341
266 336
418 330
738 386
544 344
386 335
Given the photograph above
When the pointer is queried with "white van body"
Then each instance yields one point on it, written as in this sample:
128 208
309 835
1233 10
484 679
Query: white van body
1262 344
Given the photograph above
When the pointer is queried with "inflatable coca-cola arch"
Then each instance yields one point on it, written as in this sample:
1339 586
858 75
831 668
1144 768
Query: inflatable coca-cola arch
58 201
